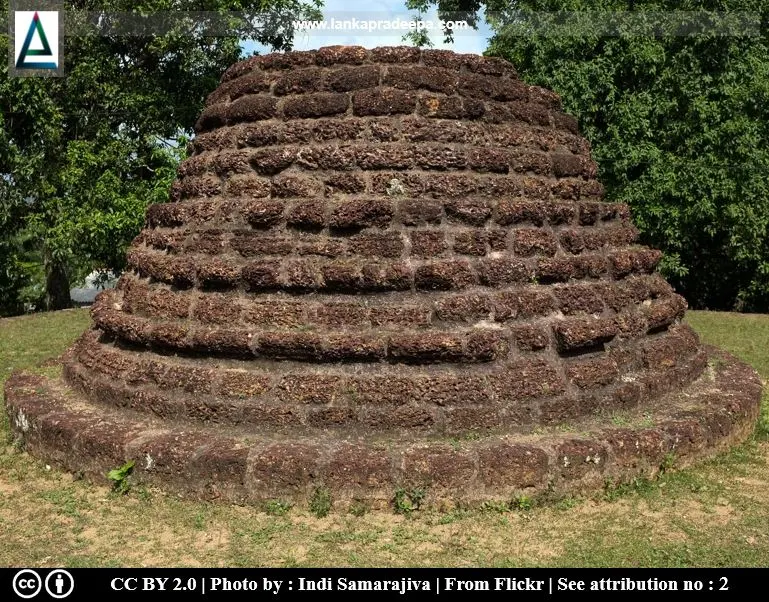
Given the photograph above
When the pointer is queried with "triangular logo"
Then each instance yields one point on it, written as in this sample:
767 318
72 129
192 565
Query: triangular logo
21 62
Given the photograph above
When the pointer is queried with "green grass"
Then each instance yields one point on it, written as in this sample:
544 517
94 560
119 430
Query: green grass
713 515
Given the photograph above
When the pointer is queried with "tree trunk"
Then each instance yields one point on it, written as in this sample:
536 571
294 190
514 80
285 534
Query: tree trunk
56 285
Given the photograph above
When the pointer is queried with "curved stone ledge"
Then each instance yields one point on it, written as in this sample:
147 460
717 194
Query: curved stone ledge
208 190
717 410
528 389
378 155
250 207
378 129
418 243
357 275
303 341
638 303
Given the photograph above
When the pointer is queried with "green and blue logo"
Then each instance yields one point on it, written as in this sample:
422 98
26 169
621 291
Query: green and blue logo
33 49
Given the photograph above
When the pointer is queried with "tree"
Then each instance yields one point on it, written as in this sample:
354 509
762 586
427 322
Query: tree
83 155
679 125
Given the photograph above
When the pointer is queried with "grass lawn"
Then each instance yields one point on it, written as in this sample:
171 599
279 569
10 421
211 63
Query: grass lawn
714 515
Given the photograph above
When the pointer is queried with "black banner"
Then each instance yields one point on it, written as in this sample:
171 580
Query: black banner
396 584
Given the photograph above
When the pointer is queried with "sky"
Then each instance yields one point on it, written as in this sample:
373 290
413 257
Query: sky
471 41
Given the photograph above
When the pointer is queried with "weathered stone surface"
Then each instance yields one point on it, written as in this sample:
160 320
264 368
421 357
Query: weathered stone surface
379 269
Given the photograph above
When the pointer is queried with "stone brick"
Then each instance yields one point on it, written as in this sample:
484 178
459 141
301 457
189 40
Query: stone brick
299 275
396 54
493 160
438 157
350 55
341 276
517 466
249 243
312 388
592 372
444 275
358 467
529 337
533 378
299 81
468 419
463 308
634 448
247 185
283 467
269 161
261 275
369 244
222 341
472 242
350 347
341 314
346 183
216 308
439 466
218 273
663 312
487 346
512 211
361 213
315 105
280 313
295 185
402 417
383 101
496 271
635 261
307 215
576 333
427 347
576 458
578 298
391 156
533 242
386 277
242 384
419 212
346 79
251 108
470 211
415 77
428 243
263 213
406 315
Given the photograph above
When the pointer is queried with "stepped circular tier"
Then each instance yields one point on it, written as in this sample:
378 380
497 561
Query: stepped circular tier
382 269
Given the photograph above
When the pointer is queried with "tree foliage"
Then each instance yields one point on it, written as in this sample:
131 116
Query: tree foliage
82 156
679 126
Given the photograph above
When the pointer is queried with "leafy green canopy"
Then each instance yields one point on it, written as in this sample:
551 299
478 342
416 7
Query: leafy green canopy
82 156
679 126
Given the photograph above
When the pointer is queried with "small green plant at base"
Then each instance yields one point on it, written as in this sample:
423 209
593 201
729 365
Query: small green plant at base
320 502
667 462
523 503
495 506
200 521
120 478
619 420
408 500
614 491
567 503
358 508
277 507
143 494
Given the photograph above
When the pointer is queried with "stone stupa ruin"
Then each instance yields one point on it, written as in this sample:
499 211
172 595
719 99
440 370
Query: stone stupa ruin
383 269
